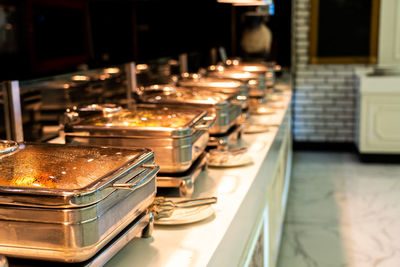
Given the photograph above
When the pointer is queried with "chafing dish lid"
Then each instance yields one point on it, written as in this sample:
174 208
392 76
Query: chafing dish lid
63 167
186 95
66 176
143 120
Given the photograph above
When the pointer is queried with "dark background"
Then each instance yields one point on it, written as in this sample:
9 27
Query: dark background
46 37
346 34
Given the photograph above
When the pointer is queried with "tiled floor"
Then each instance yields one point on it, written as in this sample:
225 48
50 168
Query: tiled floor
341 212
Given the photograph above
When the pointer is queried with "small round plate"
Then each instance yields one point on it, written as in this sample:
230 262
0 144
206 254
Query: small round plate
187 215
231 161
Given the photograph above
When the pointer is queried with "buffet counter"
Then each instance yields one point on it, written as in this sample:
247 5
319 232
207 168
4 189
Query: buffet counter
250 208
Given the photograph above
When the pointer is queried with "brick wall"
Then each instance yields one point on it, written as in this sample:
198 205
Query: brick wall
324 95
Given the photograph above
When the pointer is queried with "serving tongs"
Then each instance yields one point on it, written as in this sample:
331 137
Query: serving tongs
162 207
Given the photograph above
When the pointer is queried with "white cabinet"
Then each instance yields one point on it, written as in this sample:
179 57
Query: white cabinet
378 115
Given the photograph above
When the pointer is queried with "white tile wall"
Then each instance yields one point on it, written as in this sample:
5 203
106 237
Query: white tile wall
324 96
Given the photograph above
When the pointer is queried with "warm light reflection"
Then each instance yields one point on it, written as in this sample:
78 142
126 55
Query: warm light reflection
241 75
66 86
141 67
250 68
224 84
112 70
80 78
228 184
180 257
33 179
253 82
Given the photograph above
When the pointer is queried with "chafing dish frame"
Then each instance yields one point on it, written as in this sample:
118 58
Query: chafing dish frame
141 227
185 182
231 138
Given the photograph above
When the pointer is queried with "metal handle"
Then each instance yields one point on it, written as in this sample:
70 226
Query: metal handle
7 146
190 203
138 184
206 123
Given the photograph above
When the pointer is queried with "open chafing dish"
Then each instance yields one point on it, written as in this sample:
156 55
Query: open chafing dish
65 203
176 134
226 108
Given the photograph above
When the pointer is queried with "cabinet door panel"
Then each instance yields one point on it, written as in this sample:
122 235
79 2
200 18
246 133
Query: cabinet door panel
382 127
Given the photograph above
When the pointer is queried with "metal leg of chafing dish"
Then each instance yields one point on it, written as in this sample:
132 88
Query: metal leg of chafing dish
186 188
3 261
148 230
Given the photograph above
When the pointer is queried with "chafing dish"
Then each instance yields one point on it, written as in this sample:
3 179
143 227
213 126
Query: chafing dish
177 135
221 85
255 81
65 202
226 108
268 69
184 181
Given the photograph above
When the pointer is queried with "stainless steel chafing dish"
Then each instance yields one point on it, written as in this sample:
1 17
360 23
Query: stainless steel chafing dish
65 202
177 135
268 69
256 81
226 108
221 85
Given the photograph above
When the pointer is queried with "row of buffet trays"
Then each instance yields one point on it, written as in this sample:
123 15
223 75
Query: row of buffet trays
76 203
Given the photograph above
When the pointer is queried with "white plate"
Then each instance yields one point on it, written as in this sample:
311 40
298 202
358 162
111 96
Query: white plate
186 216
231 161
